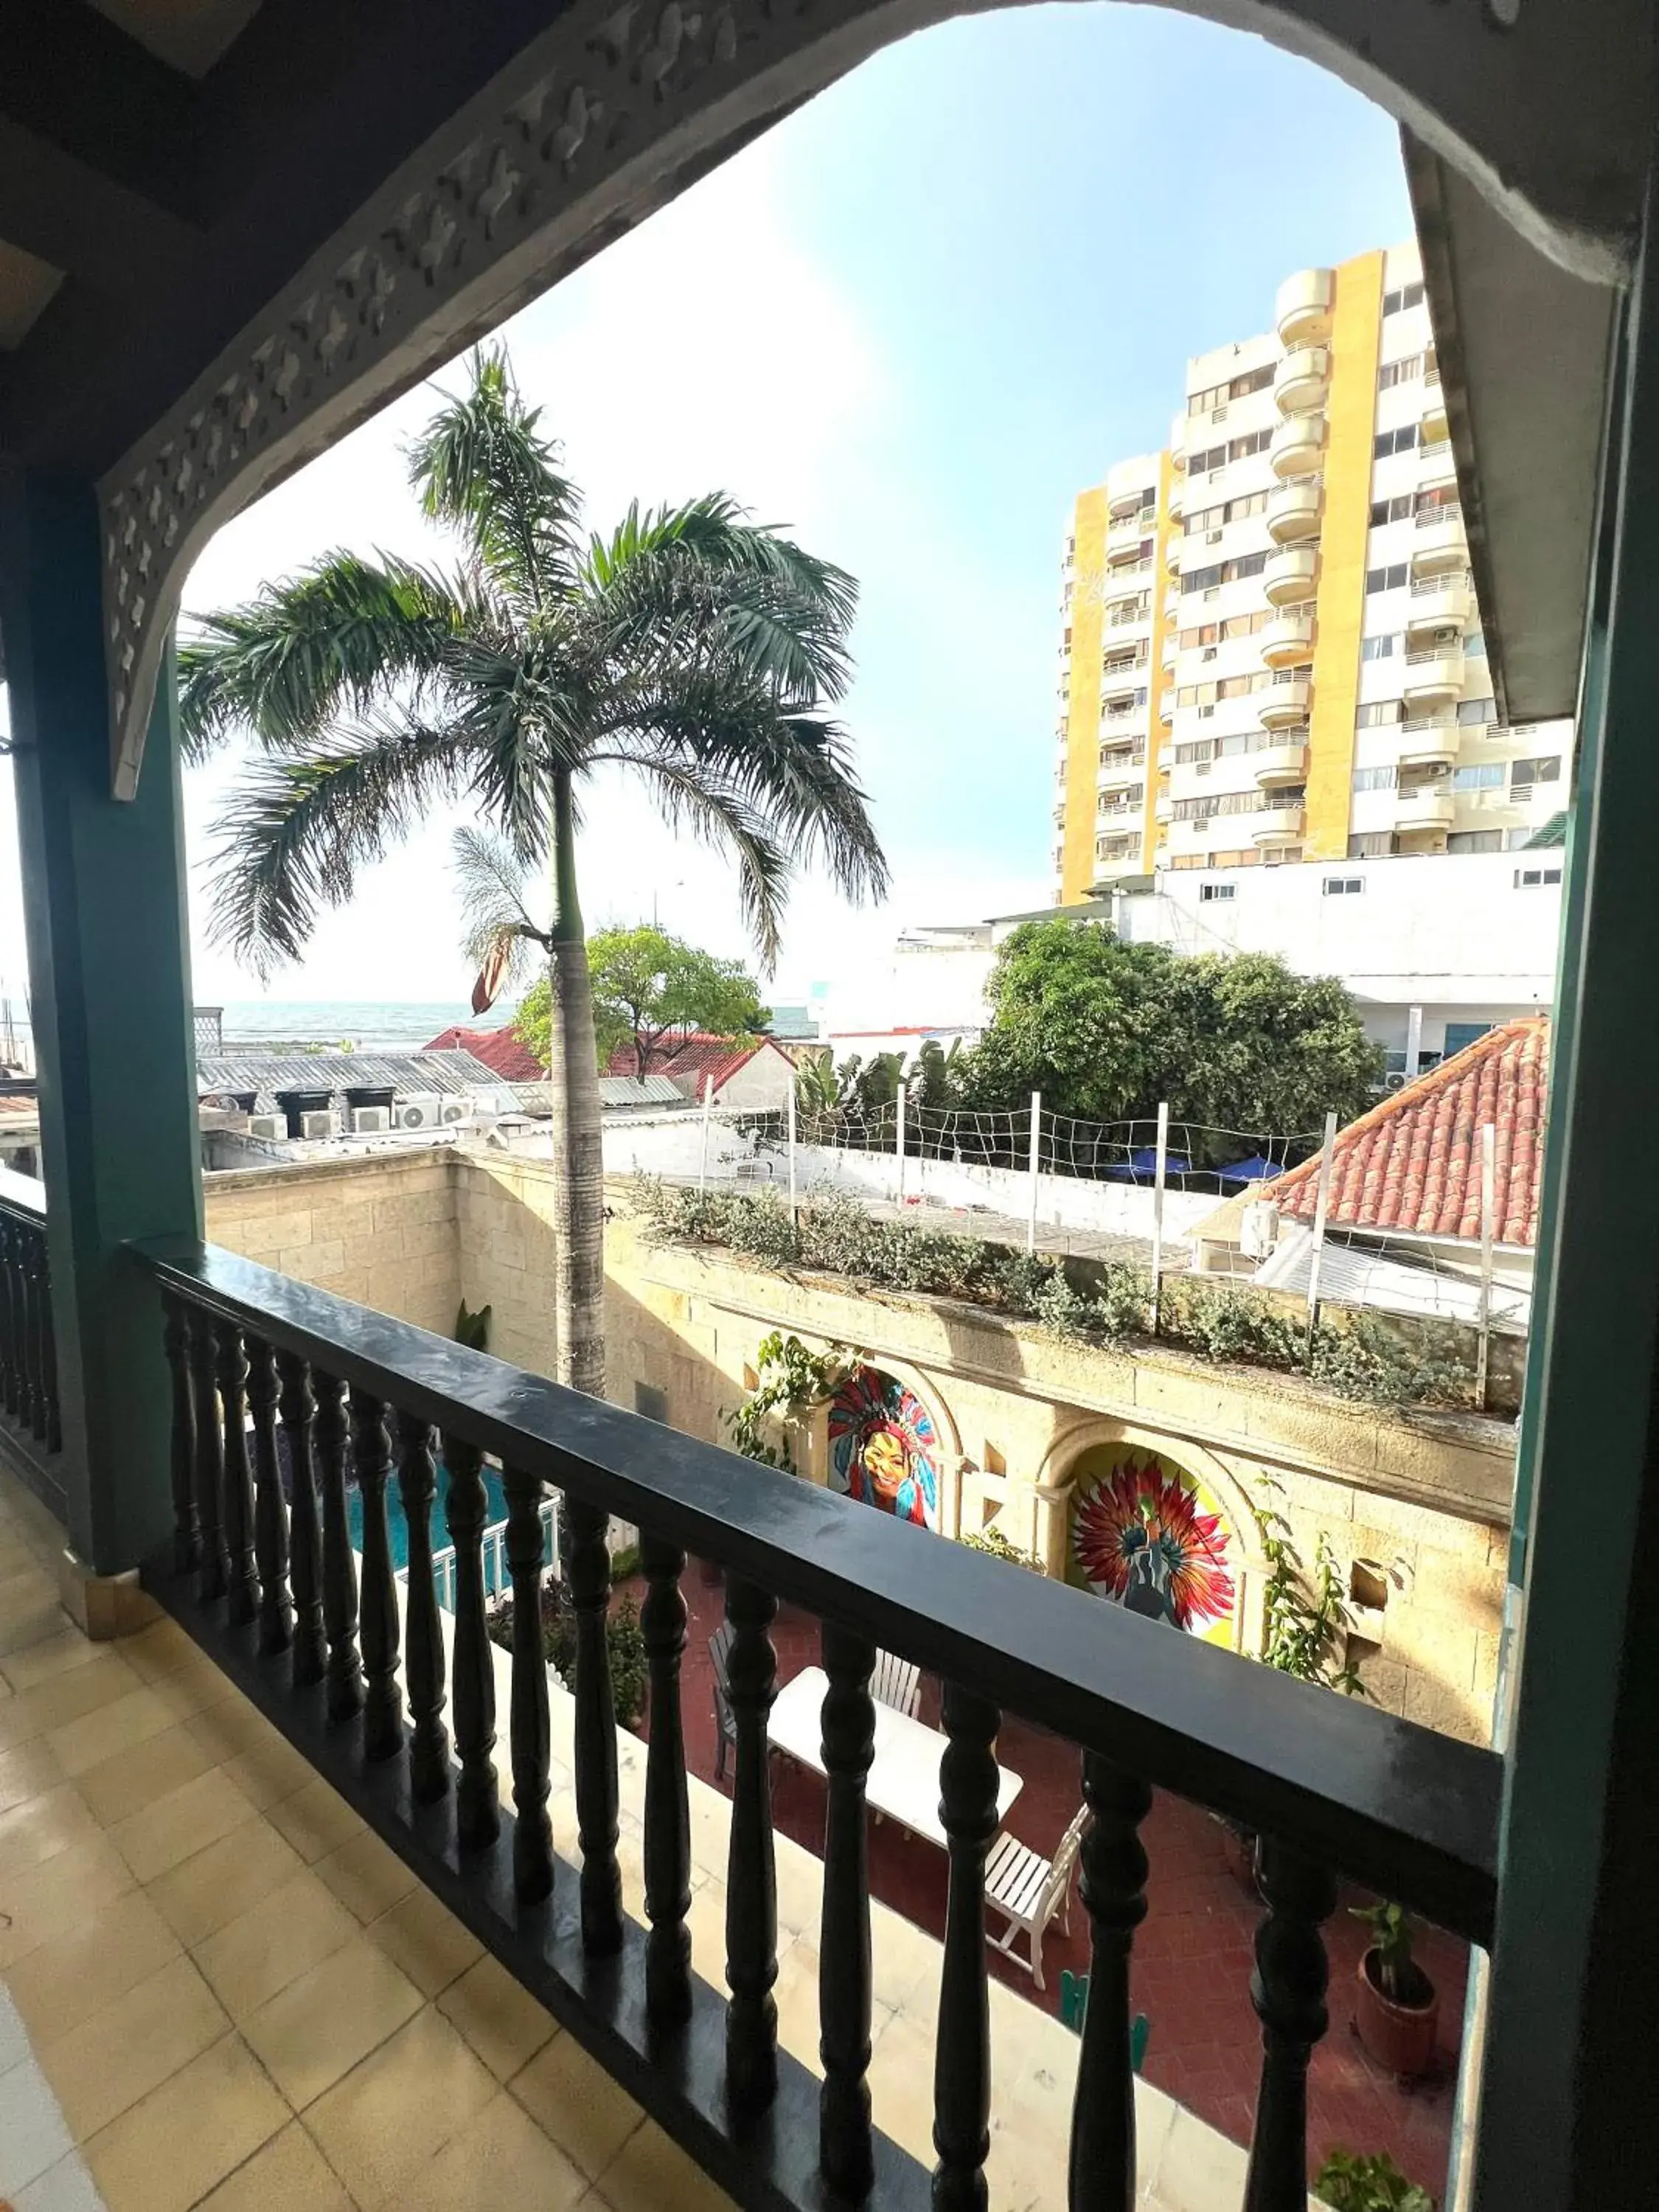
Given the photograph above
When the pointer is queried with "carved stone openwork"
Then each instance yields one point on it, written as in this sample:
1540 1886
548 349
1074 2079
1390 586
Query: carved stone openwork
604 116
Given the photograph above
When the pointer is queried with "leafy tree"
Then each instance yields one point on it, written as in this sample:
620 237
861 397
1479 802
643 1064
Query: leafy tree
695 649
650 992
1106 1029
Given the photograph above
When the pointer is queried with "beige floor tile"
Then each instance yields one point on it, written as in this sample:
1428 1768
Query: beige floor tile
96 1737
174 2144
26 1714
575 2103
501 2157
285 1935
41 1828
901 2087
799 1888
423 1936
60 1983
65 1647
289 2174
706 1922
128 1780
199 1686
160 1650
652 2173
796 1996
28 1771
499 2018
59 1894
132 2045
177 1826
392 2115
268 1772
32 1625
367 1875
320 2025
211 1889
232 1726
316 1820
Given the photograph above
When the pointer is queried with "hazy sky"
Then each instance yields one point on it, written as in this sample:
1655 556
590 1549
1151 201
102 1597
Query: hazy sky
909 324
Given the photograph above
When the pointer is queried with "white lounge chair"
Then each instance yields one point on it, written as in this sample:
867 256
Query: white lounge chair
897 1682
1030 1892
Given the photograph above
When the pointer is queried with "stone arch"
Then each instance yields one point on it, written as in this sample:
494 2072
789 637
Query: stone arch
1057 1478
613 109
924 1388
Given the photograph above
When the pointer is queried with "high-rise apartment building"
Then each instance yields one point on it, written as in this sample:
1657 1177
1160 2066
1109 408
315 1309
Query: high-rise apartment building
1272 651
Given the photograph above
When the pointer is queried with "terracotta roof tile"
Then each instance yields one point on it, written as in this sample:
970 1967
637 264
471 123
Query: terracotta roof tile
499 1050
1413 1163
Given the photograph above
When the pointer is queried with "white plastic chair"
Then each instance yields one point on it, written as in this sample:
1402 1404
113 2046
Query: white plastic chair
897 1682
1030 1892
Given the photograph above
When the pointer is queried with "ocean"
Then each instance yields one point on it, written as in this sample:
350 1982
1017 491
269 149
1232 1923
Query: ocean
366 1024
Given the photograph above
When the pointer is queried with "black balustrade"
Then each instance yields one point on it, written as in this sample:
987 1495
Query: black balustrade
30 1412
262 1569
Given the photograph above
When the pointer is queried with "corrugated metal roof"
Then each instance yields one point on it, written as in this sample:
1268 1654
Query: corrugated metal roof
403 1074
639 1091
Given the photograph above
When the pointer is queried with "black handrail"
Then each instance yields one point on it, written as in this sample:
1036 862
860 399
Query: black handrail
1406 1811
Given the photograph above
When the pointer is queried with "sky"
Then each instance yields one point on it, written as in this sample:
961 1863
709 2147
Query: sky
909 324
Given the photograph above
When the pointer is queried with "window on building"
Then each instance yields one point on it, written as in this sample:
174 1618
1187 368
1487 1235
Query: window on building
1544 770
1380 648
1216 894
1390 579
1199 464
1247 564
1380 711
1238 687
1399 371
1460 1035
1476 841
1475 646
1527 879
1240 449
1489 776
1408 295
1375 779
1370 845
1343 886
1397 509
1439 499
1473 712
1402 441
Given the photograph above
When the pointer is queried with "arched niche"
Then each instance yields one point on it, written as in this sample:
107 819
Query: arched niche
890 1442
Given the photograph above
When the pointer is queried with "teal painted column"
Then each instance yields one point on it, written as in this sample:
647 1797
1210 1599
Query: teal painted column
110 998
1568 2068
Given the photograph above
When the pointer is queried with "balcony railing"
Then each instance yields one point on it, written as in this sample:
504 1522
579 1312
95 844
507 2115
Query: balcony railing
266 1370
31 1418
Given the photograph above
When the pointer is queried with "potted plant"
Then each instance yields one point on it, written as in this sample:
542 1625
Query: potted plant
1397 2010
1350 2183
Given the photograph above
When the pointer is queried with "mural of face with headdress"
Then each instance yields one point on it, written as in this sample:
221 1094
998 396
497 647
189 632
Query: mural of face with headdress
1142 1538
884 1448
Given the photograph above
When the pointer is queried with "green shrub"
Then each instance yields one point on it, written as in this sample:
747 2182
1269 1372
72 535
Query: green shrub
1350 2183
623 1637
996 1546
1362 1356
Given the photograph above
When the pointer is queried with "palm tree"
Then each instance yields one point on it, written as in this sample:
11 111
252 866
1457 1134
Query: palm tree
695 649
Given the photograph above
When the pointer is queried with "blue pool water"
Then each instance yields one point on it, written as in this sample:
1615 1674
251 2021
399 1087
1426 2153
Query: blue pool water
397 1527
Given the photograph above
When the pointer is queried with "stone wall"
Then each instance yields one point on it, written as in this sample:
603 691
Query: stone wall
1416 1508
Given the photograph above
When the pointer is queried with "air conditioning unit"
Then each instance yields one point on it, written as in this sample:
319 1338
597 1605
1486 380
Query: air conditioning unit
456 1110
319 1125
370 1121
268 1125
422 1109
1258 1231
1212 538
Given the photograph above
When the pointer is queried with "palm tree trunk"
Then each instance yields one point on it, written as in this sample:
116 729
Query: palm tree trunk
573 1073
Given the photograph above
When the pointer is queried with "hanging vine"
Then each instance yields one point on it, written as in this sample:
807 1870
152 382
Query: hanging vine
792 1383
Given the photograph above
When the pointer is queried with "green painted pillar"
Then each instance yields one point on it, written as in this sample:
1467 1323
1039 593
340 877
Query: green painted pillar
1568 2068
110 998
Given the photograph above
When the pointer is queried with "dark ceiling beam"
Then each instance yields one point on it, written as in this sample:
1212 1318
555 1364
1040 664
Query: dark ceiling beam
74 81
81 220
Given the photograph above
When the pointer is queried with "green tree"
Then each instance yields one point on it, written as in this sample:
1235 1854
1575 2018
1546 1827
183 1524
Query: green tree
691 647
1106 1029
650 992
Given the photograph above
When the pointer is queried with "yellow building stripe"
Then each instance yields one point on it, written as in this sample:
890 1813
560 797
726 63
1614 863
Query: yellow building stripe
1351 416
1088 615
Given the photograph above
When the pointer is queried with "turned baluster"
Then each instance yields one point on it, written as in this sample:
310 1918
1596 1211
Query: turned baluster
242 1587
477 1810
1113 1888
53 1409
377 1688
11 1318
532 1832
1288 1992
596 1727
961 2058
210 1463
751 1891
423 1672
181 1436
269 1510
293 1404
35 1293
844 1974
667 1814
342 1672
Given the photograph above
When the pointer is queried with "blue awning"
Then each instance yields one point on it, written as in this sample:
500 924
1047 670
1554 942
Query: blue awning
1254 1170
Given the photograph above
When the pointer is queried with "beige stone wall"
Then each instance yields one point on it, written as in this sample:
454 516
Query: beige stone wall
380 1231
1420 1506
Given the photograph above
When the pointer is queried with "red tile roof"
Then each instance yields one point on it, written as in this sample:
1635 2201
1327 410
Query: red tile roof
499 1050
1413 1163
692 1057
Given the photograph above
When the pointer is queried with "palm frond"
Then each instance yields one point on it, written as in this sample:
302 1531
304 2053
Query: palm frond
296 832
337 638
495 917
482 466
718 815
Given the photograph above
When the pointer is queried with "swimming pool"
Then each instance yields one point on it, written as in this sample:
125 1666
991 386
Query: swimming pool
397 1527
